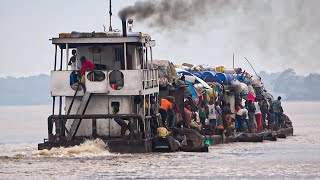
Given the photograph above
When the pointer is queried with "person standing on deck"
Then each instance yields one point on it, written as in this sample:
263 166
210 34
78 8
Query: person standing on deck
241 116
258 115
203 113
226 119
264 110
218 114
172 111
165 105
277 110
85 65
211 113
72 61
252 118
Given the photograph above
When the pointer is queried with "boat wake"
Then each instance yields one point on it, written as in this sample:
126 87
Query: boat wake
89 148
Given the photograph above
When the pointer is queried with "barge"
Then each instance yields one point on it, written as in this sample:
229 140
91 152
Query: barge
118 100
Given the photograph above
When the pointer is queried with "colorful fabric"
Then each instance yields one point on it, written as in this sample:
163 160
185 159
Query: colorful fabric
165 104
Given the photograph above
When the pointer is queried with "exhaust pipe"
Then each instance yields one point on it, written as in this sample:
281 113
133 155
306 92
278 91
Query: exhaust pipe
124 28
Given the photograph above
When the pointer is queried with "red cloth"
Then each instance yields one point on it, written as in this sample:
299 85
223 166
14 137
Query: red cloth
250 97
259 123
87 65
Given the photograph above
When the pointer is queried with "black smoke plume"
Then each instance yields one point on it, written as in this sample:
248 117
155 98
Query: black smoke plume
170 13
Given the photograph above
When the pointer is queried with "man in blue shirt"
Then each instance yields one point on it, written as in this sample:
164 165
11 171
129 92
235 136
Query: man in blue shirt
277 110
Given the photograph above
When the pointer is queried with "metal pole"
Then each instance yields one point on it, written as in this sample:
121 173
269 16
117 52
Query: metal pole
233 60
55 58
53 104
151 57
60 105
125 55
61 58
110 14
146 59
54 68
67 55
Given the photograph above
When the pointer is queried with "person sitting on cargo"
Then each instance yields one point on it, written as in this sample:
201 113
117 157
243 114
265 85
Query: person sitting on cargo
72 61
196 125
124 126
182 78
277 110
85 65
165 105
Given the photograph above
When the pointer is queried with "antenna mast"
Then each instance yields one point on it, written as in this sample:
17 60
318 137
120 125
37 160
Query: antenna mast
110 14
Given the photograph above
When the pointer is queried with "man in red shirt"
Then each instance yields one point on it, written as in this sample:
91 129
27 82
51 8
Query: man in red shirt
85 65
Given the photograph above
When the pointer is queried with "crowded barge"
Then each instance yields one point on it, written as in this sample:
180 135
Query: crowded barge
107 85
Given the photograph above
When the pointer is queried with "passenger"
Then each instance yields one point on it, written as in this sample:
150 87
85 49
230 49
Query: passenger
72 61
187 114
218 114
196 125
165 105
258 114
226 119
171 112
123 124
183 78
264 110
271 120
252 118
85 65
203 113
211 113
277 110
281 119
241 116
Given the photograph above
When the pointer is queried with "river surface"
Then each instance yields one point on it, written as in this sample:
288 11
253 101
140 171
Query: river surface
22 127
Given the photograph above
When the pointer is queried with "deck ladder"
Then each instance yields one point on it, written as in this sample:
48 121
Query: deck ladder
81 110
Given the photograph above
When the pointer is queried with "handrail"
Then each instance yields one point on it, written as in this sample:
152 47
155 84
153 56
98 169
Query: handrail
60 128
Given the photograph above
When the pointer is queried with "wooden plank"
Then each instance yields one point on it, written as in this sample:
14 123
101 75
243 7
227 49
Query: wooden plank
81 110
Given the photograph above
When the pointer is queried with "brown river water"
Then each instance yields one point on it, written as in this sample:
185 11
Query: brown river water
22 127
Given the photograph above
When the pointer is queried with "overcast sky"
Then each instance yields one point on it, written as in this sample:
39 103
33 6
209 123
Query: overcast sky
273 35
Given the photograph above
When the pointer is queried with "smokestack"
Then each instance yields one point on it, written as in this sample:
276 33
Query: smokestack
124 27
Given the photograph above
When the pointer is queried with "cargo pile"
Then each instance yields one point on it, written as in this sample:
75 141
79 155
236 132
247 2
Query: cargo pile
221 101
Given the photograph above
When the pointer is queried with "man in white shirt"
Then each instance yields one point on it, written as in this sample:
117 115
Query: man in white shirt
212 113
241 116
73 60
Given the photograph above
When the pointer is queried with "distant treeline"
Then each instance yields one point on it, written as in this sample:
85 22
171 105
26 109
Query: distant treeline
292 86
35 90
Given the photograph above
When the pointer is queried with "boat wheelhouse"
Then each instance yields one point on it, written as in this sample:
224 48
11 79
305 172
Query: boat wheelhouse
123 85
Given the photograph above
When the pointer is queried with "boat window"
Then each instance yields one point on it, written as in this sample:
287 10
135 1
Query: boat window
115 107
116 80
119 56
96 76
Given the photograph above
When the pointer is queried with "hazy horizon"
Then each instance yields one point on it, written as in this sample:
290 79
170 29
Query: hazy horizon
273 34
